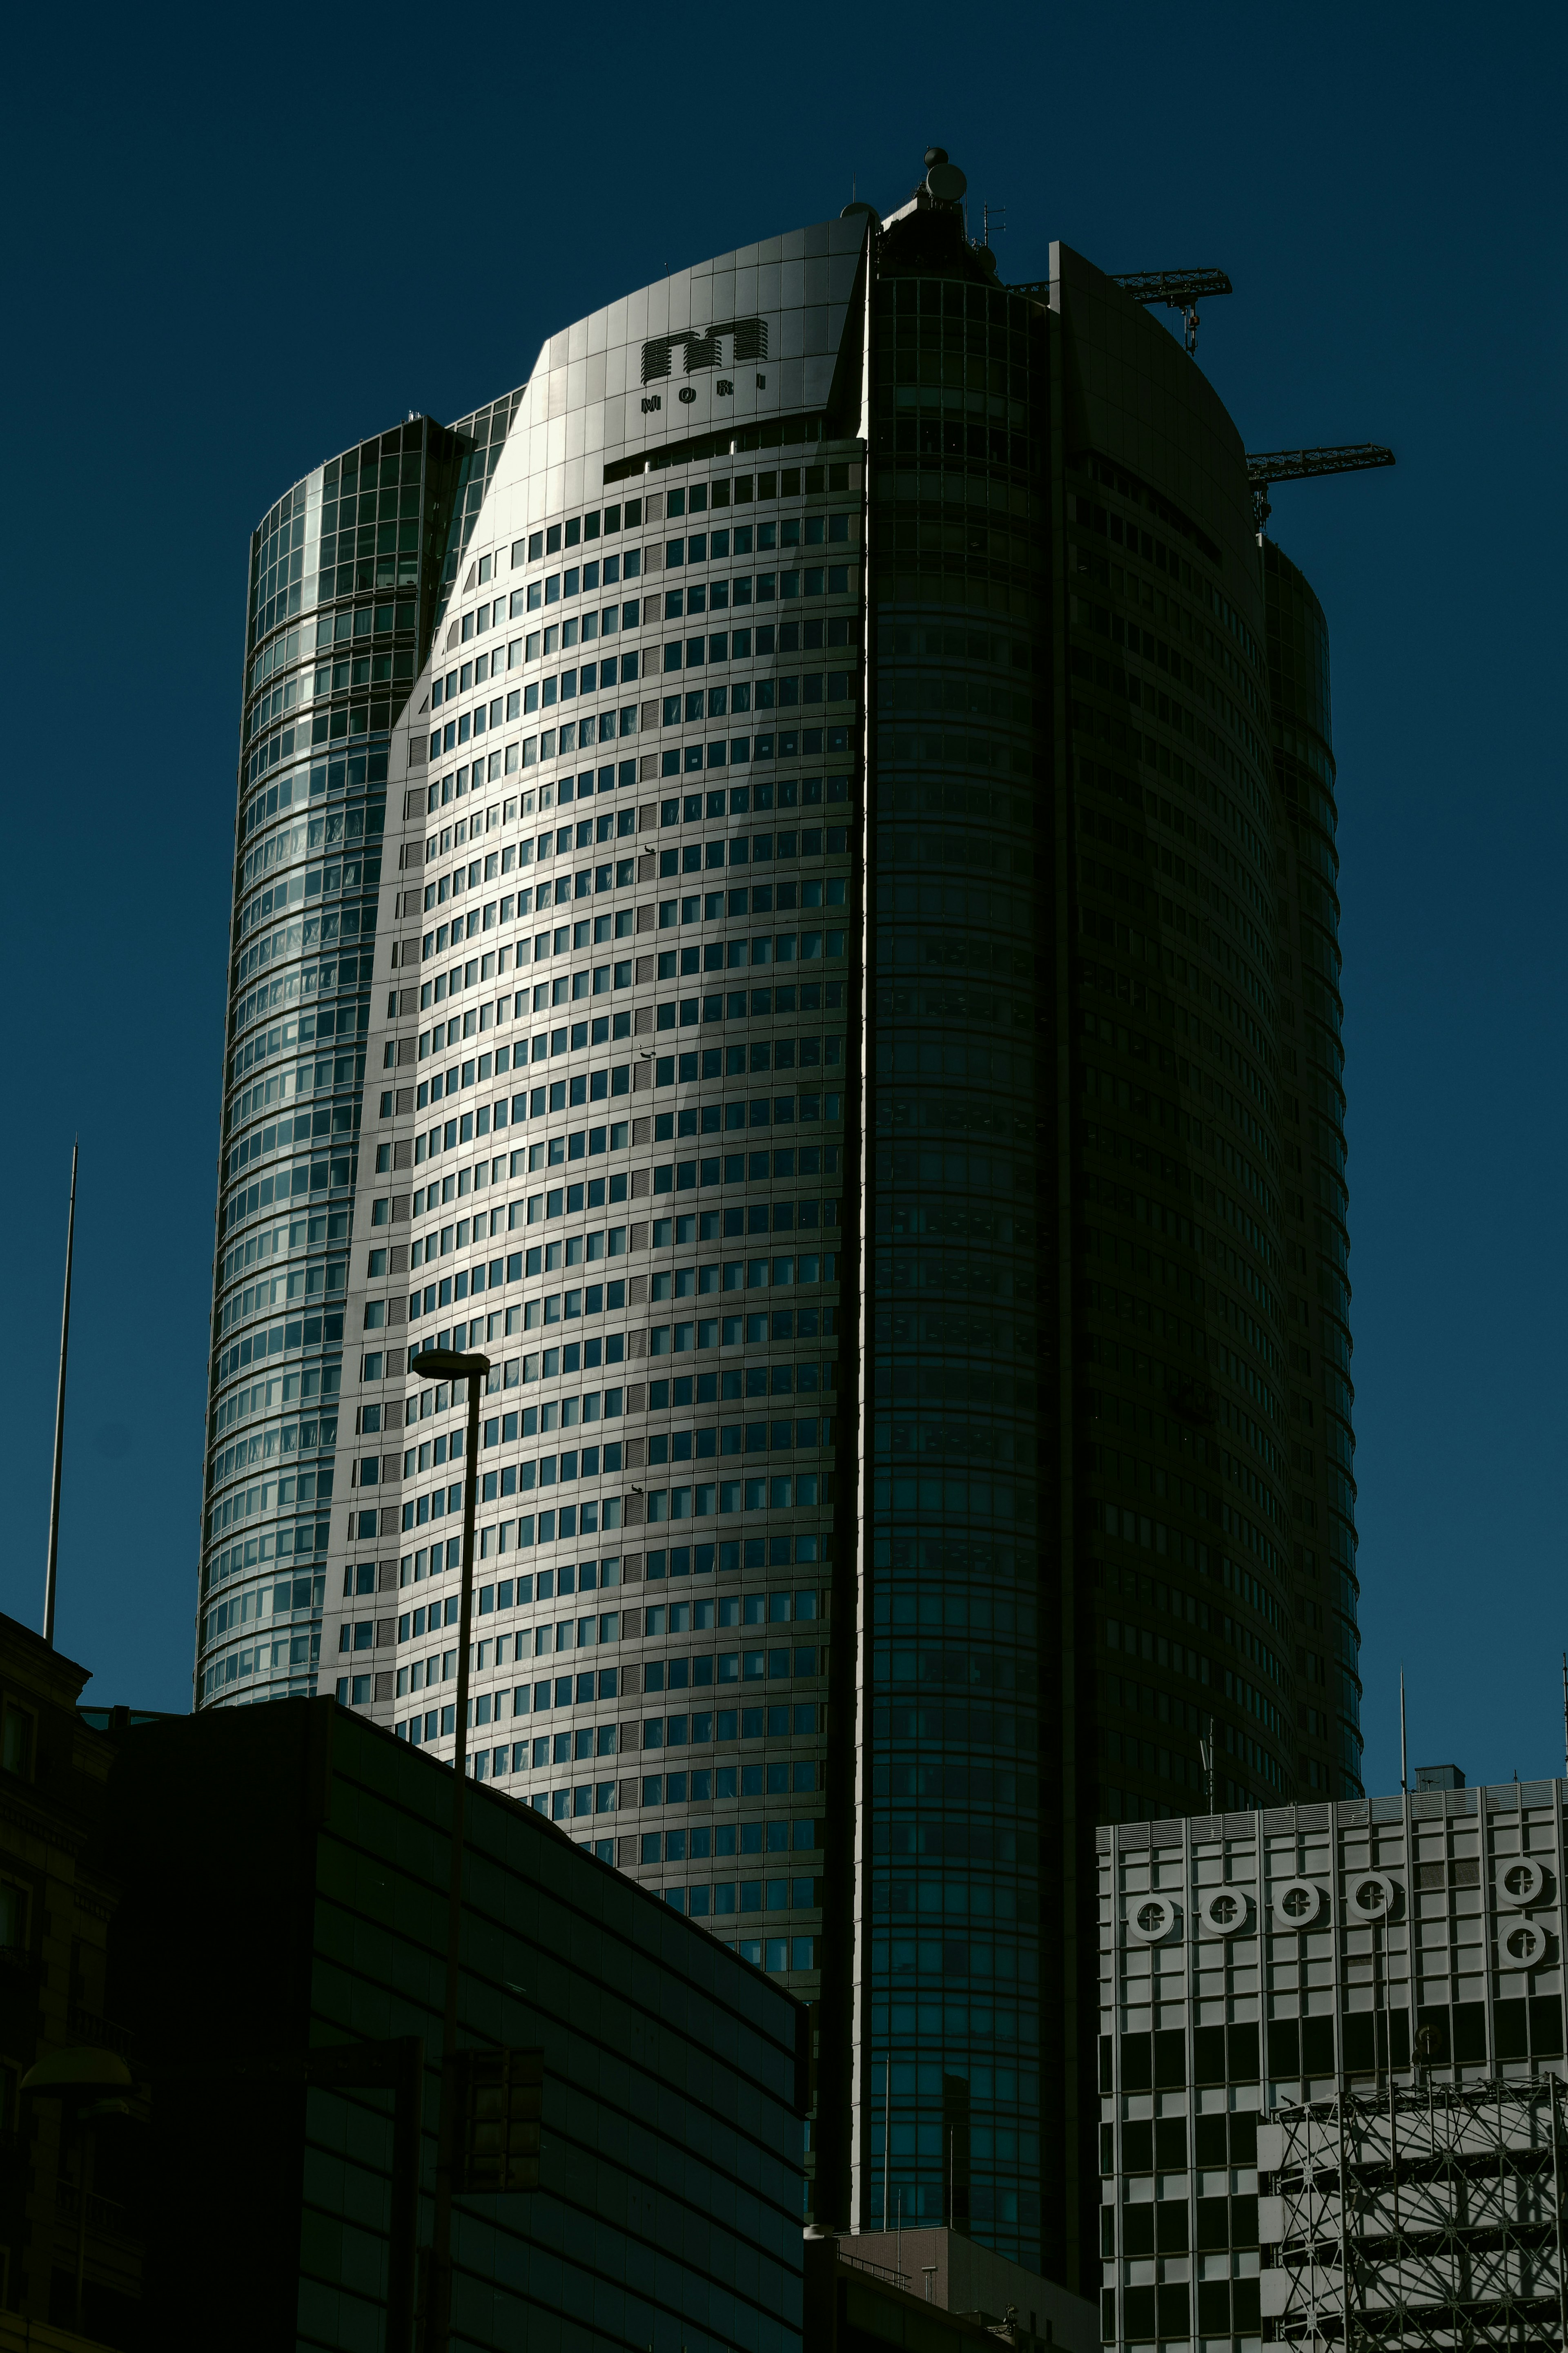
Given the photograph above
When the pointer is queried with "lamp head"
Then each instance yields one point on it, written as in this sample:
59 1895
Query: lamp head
447 1365
63 2073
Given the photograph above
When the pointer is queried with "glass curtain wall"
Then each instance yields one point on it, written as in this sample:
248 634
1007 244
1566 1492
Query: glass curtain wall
1317 1241
958 1102
342 591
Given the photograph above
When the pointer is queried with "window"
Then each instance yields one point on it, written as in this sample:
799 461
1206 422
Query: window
17 1741
13 1916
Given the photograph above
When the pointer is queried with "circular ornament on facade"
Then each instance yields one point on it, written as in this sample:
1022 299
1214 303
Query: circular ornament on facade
1372 1895
1520 1882
1225 1911
1522 1946
1151 1919
1298 1904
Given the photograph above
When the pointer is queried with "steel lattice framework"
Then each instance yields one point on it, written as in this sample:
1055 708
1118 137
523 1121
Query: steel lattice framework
1430 2218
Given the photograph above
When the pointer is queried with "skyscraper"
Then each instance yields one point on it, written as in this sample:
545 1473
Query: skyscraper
851 917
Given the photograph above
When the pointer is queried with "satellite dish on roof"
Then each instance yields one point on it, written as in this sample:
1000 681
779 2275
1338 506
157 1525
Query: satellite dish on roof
946 183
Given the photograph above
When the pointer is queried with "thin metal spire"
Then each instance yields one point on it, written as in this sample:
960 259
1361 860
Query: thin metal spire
1565 1716
60 1415
1403 1754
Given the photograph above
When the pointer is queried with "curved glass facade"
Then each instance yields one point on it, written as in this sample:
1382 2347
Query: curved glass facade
814 951
344 574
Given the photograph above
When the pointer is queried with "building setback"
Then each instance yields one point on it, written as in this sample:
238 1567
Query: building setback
786 891
1316 1962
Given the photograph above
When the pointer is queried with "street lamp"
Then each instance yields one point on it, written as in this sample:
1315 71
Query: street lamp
451 1365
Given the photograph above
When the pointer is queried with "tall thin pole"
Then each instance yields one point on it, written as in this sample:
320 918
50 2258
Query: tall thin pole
1404 1759
1565 1712
438 2321
60 1417
886 2136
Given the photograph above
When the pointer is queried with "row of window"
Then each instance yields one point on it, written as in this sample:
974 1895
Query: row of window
712 1119
597 1299
779 1609
743 849
584 1463
308 835
736 751
792 792
799 1378
804 1491
681 1175
608 670
586 629
760 899
699 547
312 883
704 1225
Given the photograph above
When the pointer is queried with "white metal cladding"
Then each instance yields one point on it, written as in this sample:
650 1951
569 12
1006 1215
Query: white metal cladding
1433 1915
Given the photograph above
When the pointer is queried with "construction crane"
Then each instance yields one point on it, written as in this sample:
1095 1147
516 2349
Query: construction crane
1181 290
1299 465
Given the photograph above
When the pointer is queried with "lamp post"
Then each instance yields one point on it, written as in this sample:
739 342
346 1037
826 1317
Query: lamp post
451 1365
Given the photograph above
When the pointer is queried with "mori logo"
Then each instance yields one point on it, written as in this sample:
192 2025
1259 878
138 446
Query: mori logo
748 340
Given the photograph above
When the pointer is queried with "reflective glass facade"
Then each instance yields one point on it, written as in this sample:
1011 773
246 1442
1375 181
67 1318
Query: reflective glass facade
960 1395
851 965
344 580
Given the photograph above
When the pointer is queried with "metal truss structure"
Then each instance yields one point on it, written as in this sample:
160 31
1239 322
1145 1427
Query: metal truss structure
1304 465
1429 2218
1180 290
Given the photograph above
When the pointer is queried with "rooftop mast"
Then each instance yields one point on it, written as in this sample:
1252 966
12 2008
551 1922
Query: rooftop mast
61 1416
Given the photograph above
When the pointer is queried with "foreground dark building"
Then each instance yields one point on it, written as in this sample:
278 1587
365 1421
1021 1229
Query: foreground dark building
669 2190
211 1921
70 2193
920 1375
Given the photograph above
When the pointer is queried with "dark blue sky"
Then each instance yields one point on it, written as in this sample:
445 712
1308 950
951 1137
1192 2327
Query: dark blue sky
236 246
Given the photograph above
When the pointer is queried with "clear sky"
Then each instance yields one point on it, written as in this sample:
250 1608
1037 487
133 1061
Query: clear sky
238 243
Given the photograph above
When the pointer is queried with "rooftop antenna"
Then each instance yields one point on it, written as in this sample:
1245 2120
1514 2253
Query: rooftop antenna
986 211
1403 1764
60 1415
1565 1712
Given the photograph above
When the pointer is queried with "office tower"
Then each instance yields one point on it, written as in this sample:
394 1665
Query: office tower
1351 1968
824 1036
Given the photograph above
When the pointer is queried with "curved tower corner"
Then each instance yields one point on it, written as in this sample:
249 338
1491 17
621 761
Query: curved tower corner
345 572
